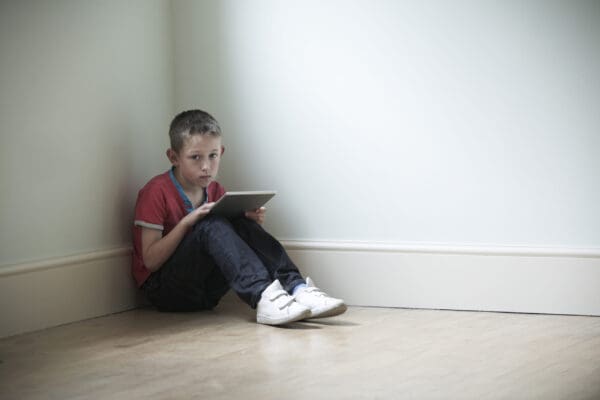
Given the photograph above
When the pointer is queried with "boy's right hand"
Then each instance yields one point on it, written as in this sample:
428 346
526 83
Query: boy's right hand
196 215
156 248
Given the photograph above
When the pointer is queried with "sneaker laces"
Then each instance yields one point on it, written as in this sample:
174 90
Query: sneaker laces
284 302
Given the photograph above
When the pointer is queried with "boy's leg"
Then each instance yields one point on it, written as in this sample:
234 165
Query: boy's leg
270 251
188 281
281 267
236 261
212 257
246 273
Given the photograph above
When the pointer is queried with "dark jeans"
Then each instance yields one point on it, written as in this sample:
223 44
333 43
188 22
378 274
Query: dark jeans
218 254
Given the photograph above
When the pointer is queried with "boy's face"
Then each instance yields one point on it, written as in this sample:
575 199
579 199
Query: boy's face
197 163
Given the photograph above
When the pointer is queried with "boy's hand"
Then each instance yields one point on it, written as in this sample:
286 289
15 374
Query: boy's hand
196 215
257 215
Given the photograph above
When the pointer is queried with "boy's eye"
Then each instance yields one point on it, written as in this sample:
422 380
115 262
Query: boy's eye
195 157
213 156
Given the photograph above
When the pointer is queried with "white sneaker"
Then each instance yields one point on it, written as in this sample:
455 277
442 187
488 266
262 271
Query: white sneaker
320 304
277 307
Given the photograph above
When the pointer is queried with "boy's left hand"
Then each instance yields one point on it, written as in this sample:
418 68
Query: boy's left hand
257 215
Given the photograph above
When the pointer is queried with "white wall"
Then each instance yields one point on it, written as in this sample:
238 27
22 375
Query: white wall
86 93
405 122
462 122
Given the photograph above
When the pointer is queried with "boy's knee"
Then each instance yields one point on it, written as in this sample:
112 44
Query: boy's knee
212 220
210 223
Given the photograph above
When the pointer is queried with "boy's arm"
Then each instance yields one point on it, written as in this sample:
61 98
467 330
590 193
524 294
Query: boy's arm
156 248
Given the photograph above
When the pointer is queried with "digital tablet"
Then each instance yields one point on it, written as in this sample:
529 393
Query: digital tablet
234 204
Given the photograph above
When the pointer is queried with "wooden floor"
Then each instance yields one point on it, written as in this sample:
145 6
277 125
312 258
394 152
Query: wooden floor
367 353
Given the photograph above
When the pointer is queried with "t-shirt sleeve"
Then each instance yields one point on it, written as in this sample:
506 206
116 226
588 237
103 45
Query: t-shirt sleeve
150 209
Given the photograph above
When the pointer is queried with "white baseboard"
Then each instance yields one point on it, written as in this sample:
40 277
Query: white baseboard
56 291
513 279
491 278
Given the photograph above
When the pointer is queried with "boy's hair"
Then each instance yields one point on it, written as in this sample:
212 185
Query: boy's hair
192 122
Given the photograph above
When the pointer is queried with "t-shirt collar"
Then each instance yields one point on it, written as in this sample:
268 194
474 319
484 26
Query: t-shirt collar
186 201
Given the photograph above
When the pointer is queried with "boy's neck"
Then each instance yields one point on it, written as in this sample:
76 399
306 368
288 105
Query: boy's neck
184 184
195 194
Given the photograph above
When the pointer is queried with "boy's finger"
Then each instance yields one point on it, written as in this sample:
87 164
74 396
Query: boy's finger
207 206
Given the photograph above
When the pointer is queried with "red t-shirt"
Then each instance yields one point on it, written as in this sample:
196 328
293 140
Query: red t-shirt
160 206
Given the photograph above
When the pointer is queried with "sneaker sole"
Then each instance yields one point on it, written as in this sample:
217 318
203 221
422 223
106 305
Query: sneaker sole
328 312
263 319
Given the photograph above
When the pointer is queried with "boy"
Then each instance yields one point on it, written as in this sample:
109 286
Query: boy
185 259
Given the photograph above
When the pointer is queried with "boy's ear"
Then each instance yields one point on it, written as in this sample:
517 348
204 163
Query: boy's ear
222 150
172 156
